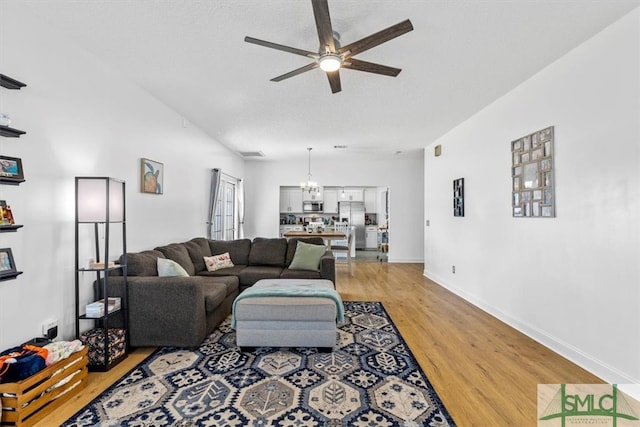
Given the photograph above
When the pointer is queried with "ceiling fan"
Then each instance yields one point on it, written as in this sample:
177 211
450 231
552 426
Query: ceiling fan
331 56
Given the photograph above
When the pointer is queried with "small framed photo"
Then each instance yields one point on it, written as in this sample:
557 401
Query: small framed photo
516 145
545 134
6 216
11 168
151 176
7 264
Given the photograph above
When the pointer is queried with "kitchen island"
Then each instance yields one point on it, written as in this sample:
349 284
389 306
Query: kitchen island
327 236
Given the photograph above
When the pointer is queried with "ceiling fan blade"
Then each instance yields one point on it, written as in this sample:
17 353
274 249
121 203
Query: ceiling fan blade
295 72
376 39
323 24
281 47
334 81
370 67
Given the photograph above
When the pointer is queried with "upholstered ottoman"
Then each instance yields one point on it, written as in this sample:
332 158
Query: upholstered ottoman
288 313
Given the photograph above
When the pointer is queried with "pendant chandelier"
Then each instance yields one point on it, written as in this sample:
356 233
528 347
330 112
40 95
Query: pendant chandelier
311 186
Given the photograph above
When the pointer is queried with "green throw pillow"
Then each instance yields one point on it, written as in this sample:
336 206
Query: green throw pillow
170 268
307 257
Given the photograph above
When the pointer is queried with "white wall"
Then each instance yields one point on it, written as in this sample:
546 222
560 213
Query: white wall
84 119
403 174
571 282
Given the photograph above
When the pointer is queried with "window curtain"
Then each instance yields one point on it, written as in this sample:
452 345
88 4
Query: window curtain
240 195
213 199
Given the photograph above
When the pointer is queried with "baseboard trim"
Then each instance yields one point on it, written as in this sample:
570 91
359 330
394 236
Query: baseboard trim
584 360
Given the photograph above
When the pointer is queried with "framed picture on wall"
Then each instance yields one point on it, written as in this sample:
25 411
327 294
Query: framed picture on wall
151 176
532 171
6 215
7 264
458 197
11 169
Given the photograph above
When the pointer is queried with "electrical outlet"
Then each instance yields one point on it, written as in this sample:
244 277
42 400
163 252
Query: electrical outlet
453 269
48 325
427 223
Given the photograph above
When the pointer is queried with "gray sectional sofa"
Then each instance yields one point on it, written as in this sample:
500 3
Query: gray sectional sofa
182 311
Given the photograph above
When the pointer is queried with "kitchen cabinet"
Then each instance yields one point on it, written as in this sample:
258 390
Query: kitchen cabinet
370 199
330 201
285 228
354 195
290 199
309 196
371 237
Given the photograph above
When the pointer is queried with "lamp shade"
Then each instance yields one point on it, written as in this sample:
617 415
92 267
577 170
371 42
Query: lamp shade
99 199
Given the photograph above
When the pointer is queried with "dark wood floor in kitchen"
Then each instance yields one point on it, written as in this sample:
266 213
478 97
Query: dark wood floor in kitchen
485 372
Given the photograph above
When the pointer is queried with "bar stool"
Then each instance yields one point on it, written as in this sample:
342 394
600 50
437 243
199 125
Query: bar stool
346 249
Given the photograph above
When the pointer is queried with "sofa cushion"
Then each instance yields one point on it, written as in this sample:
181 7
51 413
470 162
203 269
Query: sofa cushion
266 251
238 249
142 263
307 257
197 249
300 274
230 283
251 274
214 295
170 268
218 262
231 271
293 243
178 252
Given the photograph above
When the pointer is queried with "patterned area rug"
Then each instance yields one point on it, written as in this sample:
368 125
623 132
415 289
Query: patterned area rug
370 379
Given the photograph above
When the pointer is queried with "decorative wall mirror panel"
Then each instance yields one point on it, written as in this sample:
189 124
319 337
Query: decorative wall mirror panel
533 192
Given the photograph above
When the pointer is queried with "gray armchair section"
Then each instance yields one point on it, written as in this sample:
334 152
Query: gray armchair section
182 311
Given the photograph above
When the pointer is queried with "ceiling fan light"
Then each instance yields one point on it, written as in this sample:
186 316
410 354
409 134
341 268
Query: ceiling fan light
330 62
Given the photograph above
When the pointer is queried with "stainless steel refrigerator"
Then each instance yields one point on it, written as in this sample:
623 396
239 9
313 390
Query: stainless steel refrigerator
353 212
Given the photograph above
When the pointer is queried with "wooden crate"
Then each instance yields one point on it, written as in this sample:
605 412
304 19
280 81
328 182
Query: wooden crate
28 401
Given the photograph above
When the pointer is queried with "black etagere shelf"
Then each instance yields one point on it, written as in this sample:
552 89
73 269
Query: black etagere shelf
105 207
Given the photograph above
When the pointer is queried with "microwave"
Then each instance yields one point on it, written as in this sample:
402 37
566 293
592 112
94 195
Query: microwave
311 206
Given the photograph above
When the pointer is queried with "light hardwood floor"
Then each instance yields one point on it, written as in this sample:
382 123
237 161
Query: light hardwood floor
485 372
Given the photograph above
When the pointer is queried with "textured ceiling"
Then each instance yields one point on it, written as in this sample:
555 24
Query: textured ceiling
461 56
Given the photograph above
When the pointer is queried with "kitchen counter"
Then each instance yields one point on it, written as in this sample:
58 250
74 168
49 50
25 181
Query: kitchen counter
327 236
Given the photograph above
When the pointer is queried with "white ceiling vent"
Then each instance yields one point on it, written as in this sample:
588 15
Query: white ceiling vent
251 153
